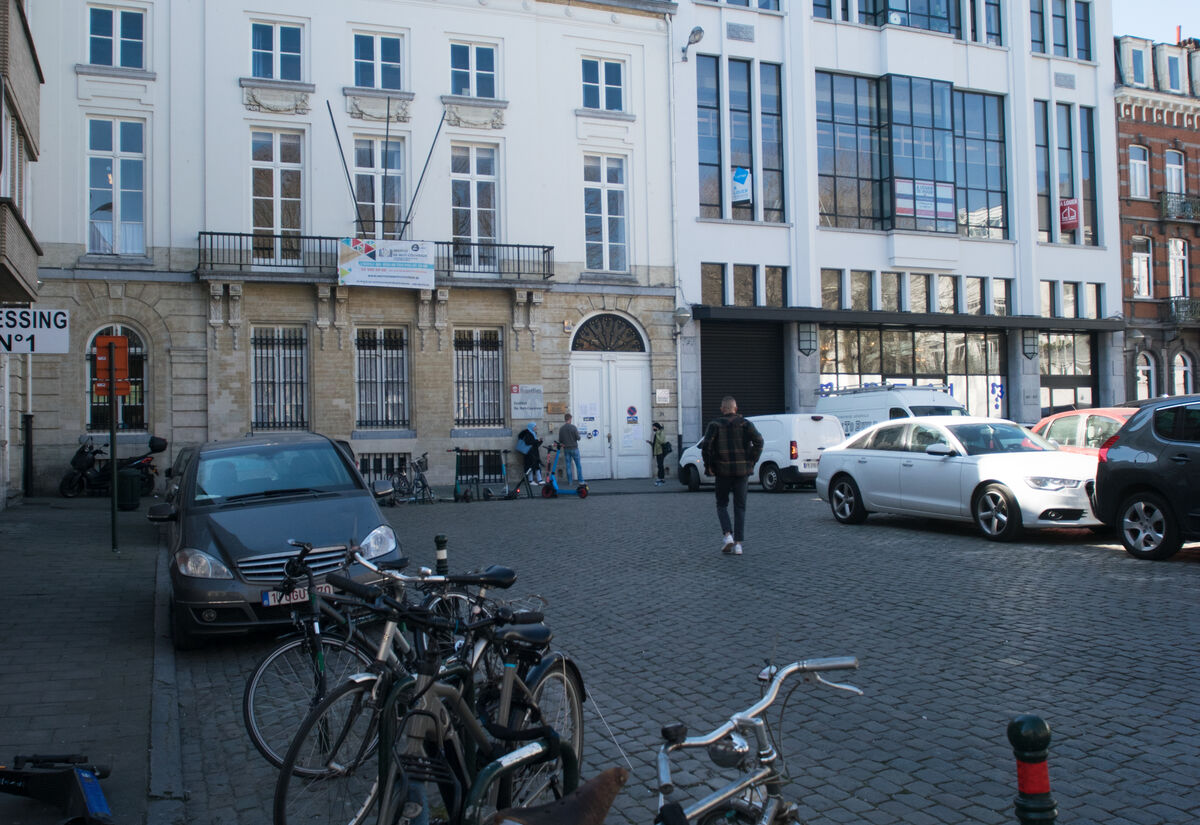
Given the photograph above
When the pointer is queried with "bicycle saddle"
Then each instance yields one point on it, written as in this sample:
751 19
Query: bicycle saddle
534 636
588 805
494 576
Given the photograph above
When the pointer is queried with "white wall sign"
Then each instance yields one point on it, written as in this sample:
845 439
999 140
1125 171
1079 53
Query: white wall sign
527 403
404 264
743 185
36 329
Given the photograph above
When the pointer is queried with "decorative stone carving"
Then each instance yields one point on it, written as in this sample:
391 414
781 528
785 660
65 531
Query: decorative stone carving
341 315
322 312
474 112
368 104
532 319
216 291
519 316
277 101
235 313
424 313
440 312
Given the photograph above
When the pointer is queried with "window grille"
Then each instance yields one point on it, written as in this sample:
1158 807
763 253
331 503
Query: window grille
382 377
478 378
375 466
279 382
131 409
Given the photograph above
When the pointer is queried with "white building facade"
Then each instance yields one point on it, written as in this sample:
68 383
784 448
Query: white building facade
885 190
207 159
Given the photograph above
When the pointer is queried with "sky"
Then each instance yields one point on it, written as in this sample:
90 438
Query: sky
1156 19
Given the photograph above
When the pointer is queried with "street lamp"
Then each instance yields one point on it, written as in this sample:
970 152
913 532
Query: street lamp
696 35
1029 343
806 338
681 315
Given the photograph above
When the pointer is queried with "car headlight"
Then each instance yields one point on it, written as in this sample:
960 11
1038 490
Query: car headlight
200 565
1052 483
379 542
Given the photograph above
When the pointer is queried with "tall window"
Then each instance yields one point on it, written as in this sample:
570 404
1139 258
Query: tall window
947 293
276 174
275 45
1001 296
1037 26
379 187
473 206
602 85
472 70
381 377
974 298
1058 24
918 293
831 289
860 289
1139 66
1173 82
377 61
1041 133
1070 300
981 176
1140 268
890 291
1177 267
131 409
712 284
771 108
744 292
478 378
1066 163
1182 369
708 129
116 186
1083 30
848 152
923 155
1146 379
1087 166
116 37
1139 172
279 378
1173 166
775 286
991 12
741 140
604 213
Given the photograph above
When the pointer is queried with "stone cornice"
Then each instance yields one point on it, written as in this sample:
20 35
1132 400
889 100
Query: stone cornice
1151 99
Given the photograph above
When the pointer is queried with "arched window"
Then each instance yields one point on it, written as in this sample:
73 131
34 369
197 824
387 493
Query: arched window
1182 378
608 333
1145 376
131 409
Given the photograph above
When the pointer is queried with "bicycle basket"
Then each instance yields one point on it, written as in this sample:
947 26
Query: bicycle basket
421 464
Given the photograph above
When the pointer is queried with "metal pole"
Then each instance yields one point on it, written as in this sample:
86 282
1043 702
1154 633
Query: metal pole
112 437
27 437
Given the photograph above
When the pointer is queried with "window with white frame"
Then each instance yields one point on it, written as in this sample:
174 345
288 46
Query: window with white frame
1182 368
379 187
474 206
116 37
1174 81
1058 27
1177 267
279 378
1083 30
381 377
478 378
472 70
604 213
275 51
1173 166
377 61
276 197
131 408
116 159
1146 378
1037 25
603 84
1140 269
1139 172
1138 59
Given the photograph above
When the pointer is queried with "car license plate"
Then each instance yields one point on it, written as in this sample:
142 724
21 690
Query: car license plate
811 465
273 598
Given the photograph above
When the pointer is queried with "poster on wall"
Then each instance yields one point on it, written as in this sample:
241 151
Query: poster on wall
743 185
527 402
403 264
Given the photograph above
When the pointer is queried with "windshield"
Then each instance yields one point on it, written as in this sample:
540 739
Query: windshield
930 409
985 438
273 469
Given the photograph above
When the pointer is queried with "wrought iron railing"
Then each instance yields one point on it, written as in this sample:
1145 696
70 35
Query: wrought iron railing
1179 207
285 253
1181 310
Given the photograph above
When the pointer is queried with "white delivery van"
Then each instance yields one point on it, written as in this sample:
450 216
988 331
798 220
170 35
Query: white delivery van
792 446
861 407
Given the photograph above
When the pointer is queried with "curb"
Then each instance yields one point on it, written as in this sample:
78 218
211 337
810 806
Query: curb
166 792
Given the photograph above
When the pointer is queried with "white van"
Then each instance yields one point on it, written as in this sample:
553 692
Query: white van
792 445
861 407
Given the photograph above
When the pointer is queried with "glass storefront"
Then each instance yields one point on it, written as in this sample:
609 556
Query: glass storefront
972 364
1066 368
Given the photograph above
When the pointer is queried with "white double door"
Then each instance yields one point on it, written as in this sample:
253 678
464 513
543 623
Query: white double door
610 399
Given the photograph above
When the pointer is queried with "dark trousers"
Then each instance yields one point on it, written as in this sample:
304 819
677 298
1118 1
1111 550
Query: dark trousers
660 458
737 486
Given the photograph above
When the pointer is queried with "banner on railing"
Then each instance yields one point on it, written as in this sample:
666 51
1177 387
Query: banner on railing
405 264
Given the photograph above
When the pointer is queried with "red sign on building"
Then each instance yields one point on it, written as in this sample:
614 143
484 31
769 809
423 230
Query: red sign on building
1068 214
118 371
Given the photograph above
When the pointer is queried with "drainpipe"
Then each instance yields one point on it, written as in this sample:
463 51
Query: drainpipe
676 330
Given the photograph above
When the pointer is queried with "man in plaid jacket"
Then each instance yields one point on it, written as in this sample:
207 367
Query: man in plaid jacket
731 448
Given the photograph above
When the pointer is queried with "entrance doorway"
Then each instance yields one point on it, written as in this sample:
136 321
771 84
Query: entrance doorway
610 398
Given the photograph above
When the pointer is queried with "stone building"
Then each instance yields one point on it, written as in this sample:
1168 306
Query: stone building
1158 135
208 160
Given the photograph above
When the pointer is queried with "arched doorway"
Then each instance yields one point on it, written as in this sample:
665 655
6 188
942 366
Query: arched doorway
610 397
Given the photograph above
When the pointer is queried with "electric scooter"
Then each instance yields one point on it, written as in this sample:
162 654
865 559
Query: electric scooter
551 488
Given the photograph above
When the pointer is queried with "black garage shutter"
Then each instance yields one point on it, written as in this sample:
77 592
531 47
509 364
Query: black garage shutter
744 360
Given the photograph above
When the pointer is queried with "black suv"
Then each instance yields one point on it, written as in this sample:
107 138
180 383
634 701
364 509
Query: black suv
1148 475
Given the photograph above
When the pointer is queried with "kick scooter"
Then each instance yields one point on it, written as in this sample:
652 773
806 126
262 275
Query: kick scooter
551 488
70 781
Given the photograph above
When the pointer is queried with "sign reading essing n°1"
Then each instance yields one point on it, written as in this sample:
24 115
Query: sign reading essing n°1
35 329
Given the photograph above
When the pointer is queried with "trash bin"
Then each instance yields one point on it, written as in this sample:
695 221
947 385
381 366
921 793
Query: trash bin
129 493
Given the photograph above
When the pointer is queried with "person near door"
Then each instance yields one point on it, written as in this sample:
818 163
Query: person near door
568 441
730 450
529 445
661 447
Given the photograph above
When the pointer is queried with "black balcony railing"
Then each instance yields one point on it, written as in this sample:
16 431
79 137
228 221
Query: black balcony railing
1177 206
1181 310
229 253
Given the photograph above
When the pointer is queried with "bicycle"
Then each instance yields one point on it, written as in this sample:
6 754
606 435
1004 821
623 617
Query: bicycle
67 780
384 731
412 485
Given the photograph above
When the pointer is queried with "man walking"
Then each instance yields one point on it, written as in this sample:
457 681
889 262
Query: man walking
568 440
731 448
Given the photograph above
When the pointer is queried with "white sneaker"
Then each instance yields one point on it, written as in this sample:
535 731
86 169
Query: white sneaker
737 549
727 545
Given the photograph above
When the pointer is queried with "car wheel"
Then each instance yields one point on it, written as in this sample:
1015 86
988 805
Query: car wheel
845 501
996 513
768 476
693 479
72 484
1148 528
181 637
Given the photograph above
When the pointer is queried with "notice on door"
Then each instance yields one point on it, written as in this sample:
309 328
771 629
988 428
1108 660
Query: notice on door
527 402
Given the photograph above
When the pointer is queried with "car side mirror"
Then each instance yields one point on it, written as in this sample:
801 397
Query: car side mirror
941 450
162 512
381 487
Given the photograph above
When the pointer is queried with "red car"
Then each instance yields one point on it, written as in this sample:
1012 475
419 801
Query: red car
1083 431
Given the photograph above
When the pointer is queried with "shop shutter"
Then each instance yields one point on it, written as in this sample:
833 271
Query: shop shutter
744 360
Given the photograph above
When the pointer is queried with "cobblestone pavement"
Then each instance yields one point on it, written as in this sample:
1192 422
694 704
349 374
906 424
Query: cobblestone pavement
956 636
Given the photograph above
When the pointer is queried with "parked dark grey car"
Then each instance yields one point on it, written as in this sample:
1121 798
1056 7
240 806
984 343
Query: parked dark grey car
1148 477
236 506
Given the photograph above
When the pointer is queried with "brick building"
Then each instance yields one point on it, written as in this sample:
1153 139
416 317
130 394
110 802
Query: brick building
1158 137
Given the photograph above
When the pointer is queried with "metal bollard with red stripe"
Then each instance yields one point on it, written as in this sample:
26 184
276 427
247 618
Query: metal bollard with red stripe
1030 739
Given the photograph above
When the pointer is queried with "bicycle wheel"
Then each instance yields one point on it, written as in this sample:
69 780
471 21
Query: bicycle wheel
285 687
330 773
559 697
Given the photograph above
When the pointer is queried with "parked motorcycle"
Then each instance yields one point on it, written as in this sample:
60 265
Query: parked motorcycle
85 476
